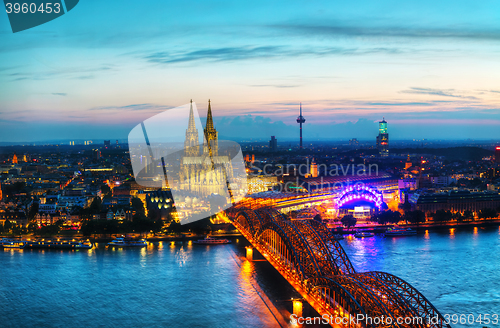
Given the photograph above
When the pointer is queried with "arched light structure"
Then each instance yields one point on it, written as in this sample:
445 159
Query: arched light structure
359 192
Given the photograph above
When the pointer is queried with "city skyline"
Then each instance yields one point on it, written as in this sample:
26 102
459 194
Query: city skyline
417 65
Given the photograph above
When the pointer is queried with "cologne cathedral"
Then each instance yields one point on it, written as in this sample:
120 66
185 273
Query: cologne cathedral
207 172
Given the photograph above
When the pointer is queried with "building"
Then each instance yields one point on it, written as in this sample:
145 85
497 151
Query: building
383 138
96 154
160 204
206 173
314 169
441 181
273 144
301 120
408 163
1 191
120 201
107 143
455 201
354 142
383 182
497 154
14 159
260 183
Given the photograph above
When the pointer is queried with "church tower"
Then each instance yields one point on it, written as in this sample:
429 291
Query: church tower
192 143
210 148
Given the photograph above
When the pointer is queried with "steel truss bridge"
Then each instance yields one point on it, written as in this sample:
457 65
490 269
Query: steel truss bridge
306 253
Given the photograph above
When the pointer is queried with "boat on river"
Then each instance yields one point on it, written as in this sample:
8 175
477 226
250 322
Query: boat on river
59 244
127 242
11 243
212 241
363 234
399 231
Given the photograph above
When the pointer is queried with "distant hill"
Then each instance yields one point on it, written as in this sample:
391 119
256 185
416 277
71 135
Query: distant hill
452 153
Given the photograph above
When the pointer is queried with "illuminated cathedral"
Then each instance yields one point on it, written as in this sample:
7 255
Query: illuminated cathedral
203 173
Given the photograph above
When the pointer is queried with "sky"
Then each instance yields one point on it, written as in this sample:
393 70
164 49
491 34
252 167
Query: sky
431 68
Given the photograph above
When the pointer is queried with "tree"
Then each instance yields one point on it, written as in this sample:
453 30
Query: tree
174 227
414 217
442 216
405 206
385 217
349 221
458 216
468 215
33 210
32 227
487 213
96 206
7 225
105 189
138 207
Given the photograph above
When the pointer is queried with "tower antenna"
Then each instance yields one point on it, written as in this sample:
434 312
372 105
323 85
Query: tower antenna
301 120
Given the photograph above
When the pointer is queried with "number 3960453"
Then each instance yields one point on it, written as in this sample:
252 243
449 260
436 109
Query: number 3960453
472 319
33 8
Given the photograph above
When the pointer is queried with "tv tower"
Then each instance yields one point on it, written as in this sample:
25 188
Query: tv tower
301 120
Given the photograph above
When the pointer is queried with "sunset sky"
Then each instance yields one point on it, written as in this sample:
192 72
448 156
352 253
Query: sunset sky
431 68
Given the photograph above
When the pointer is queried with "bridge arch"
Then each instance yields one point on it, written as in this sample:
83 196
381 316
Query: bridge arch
306 251
298 241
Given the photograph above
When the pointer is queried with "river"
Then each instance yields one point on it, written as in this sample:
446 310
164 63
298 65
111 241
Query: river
185 285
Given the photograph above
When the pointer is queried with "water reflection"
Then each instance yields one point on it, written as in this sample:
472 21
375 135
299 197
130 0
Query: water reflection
187 286
455 269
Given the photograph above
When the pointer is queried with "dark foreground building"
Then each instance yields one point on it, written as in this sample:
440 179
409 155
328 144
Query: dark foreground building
455 201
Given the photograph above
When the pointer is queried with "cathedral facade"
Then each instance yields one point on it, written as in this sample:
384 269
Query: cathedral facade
203 170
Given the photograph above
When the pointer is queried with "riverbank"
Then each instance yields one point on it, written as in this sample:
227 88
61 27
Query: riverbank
424 226
375 228
108 238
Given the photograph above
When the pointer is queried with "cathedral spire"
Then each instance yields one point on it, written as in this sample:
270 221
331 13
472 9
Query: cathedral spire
210 147
191 125
191 144
210 122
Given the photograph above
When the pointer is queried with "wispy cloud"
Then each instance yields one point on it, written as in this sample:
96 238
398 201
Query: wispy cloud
400 103
274 85
249 52
438 92
132 107
387 31
63 94
71 73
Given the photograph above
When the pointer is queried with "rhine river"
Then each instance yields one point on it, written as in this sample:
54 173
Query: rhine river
185 285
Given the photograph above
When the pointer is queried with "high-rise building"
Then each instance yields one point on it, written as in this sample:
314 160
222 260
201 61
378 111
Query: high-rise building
0 191
273 144
14 159
497 154
383 138
301 120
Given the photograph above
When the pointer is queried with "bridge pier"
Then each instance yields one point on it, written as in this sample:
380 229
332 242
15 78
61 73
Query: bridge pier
249 253
297 307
